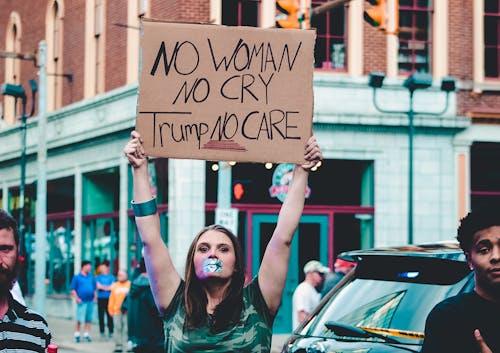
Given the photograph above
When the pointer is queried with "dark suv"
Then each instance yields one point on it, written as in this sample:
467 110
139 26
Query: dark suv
382 305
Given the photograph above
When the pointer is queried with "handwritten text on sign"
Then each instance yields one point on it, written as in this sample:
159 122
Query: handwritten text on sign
225 93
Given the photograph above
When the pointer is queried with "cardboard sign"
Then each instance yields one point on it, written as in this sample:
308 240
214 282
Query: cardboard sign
225 93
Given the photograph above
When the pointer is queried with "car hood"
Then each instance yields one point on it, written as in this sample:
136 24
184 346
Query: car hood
298 344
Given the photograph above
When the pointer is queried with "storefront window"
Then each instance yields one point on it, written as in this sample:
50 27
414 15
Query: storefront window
240 12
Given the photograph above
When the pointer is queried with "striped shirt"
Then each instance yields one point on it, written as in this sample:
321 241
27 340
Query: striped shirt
23 331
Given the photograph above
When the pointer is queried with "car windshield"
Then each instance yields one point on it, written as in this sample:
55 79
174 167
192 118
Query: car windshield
391 297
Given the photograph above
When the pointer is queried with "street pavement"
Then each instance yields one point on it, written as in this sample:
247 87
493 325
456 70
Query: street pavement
63 329
62 334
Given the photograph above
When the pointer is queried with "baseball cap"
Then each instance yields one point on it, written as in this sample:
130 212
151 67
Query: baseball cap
315 266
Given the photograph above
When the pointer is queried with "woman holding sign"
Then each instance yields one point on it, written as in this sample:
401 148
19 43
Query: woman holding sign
212 310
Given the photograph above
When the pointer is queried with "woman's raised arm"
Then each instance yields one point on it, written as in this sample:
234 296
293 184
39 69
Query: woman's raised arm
163 276
274 266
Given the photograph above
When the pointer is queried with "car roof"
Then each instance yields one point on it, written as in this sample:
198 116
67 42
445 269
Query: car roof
448 249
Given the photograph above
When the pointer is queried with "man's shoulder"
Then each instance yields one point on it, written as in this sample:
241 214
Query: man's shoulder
79 276
27 314
35 316
33 326
456 303
304 288
301 286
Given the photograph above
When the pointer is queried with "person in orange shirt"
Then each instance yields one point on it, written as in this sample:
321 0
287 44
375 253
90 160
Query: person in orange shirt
119 291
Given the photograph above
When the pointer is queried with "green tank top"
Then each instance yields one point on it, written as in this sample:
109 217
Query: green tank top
252 334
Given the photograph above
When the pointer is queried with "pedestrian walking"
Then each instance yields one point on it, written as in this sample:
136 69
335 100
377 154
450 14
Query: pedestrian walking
145 326
83 289
22 329
307 294
104 280
119 291
212 310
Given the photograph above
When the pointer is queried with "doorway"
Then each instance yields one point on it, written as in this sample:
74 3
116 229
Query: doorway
310 242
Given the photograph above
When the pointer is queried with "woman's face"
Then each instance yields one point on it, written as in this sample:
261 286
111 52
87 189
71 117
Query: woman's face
214 256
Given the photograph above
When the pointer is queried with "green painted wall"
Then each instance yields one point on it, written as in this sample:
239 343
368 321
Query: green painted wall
100 191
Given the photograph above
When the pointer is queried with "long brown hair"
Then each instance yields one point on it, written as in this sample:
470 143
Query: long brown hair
228 311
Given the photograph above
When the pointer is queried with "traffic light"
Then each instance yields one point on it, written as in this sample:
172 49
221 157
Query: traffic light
238 191
290 14
377 14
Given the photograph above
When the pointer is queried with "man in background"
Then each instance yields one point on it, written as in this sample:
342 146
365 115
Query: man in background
145 326
307 294
104 280
340 269
83 289
119 291
470 322
22 329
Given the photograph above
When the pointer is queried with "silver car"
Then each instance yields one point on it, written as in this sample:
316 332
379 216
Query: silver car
382 304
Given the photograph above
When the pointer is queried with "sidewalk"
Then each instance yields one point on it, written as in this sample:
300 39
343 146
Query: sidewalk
62 335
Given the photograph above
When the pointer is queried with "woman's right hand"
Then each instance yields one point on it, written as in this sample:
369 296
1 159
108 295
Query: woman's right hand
135 151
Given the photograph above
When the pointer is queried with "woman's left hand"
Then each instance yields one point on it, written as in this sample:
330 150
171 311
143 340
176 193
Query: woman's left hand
313 154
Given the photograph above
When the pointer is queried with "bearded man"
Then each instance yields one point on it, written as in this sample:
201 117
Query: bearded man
22 329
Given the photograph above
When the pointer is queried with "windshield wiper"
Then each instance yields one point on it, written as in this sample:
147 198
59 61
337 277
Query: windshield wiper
353 331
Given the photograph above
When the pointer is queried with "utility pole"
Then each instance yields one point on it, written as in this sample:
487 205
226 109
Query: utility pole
41 188
30 57
23 177
225 215
41 199
327 6
417 80
411 134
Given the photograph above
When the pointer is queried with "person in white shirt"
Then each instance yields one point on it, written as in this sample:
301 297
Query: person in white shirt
307 294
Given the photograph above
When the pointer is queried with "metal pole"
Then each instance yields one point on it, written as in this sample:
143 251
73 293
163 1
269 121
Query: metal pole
224 186
327 6
41 199
12 55
411 131
23 175
224 214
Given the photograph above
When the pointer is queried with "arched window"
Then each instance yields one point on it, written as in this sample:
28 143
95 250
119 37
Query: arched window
136 10
95 36
54 35
12 66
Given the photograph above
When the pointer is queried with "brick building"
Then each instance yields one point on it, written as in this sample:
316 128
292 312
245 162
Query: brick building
360 195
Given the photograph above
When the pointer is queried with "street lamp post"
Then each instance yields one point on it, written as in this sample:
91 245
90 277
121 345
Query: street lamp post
417 80
18 92
41 186
41 204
